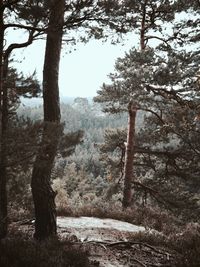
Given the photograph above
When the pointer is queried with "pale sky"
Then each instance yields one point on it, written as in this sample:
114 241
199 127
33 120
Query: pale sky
82 72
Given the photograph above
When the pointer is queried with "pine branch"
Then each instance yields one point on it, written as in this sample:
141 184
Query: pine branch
154 113
156 195
145 150
172 94
20 45
25 27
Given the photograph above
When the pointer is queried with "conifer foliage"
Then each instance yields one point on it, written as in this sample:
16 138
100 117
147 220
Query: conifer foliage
161 77
158 78
7 8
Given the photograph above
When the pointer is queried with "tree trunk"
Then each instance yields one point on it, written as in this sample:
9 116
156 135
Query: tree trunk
3 130
132 111
129 156
43 194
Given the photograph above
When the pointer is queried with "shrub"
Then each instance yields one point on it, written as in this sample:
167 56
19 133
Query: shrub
187 244
19 252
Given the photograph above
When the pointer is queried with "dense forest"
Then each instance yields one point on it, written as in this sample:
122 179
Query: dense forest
131 153
81 167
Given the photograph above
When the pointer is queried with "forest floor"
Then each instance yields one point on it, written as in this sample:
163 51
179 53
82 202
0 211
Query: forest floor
110 243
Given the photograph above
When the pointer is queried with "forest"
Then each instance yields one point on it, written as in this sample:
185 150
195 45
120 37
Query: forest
129 156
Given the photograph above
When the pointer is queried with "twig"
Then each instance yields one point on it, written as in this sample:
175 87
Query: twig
141 263
27 222
156 250
103 246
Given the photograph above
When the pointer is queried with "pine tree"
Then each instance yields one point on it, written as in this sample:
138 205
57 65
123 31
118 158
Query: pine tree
127 90
6 23
33 16
43 194
167 145
82 12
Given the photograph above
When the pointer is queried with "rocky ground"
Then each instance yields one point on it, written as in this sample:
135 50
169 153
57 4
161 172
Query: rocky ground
109 243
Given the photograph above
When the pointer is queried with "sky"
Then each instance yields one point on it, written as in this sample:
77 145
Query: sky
82 71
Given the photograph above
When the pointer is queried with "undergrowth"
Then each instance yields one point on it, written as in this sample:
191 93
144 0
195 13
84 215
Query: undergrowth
184 245
172 233
18 252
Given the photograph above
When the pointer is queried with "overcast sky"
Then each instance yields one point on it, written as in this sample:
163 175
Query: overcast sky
82 71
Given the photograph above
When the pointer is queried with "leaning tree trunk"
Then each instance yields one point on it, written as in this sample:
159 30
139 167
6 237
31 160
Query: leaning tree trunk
129 156
43 194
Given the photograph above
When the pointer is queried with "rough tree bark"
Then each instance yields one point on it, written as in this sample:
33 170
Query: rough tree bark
43 194
3 157
3 129
129 156
132 111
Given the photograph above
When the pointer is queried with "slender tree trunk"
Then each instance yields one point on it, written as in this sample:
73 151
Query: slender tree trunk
43 194
143 27
132 111
129 156
3 130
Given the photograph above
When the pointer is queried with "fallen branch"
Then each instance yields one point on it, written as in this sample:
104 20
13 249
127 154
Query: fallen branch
130 244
